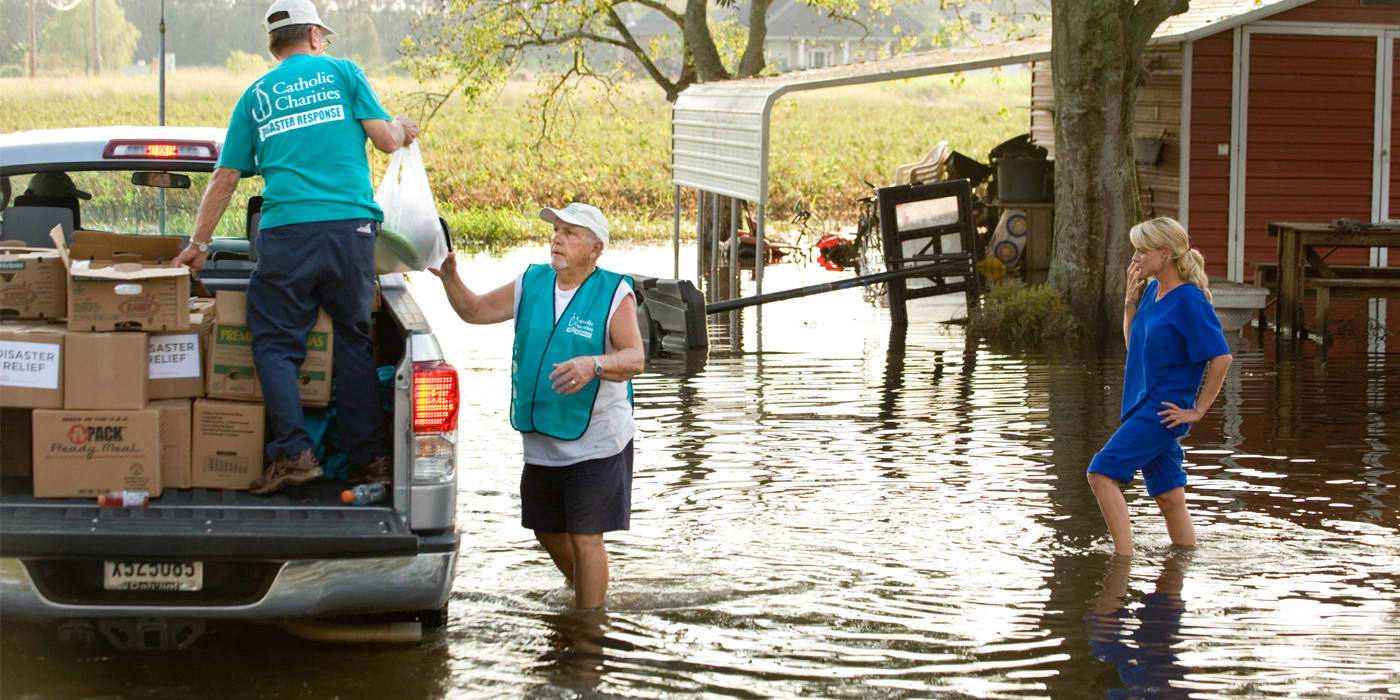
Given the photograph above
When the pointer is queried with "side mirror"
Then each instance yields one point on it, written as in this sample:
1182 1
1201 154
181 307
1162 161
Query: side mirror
156 178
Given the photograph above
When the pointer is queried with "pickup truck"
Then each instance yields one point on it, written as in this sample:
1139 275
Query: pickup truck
150 578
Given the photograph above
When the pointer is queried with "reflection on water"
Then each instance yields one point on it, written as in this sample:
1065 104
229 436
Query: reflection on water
1141 639
828 509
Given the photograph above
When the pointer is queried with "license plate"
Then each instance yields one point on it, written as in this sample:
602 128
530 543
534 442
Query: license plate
153 575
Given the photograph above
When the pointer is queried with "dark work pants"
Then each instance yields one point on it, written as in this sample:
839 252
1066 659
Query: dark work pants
303 267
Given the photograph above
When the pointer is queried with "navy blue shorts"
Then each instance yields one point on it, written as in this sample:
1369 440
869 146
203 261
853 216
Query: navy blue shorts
1143 442
587 498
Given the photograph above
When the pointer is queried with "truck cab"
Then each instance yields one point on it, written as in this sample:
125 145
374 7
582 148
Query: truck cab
152 577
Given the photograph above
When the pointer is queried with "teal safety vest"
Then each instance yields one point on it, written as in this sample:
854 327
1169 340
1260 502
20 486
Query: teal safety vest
540 343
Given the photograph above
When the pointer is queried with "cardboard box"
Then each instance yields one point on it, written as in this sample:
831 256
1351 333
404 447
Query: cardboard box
33 283
231 374
226 444
104 371
174 442
175 360
118 282
16 442
31 365
88 453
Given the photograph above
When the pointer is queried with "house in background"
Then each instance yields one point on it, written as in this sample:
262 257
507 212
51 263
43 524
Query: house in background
801 37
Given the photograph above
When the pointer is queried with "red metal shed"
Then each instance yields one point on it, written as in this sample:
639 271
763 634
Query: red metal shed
1284 112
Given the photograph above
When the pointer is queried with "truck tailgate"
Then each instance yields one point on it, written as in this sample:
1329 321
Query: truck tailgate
305 523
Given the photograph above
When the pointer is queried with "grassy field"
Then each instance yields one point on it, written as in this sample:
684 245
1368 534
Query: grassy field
490 169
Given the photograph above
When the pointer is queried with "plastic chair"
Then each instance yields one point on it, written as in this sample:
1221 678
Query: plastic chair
932 168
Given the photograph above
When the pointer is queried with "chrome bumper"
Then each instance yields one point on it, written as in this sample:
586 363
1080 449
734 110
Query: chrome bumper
302 588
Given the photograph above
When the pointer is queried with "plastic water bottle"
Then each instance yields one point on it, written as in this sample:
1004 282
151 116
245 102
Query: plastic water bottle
124 499
363 494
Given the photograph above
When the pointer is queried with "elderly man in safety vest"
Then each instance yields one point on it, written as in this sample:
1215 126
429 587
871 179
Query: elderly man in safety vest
577 346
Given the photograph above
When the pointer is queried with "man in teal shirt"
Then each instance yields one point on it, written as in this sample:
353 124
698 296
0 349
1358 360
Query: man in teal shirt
302 127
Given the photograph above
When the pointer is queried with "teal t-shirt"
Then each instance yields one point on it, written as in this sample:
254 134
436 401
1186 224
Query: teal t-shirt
299 128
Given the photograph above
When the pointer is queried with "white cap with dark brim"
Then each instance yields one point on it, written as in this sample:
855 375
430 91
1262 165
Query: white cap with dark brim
298 12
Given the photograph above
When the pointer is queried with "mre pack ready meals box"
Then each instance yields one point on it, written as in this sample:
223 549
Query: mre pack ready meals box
119 282
88 453
31 365
231 374
33 283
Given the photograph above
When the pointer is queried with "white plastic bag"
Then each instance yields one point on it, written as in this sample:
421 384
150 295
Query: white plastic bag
411 237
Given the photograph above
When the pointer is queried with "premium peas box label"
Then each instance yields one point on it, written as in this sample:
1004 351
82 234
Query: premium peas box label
231 374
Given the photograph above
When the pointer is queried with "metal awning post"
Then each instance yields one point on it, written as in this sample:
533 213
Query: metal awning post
714 243
734 281
699 245
676 231
758 254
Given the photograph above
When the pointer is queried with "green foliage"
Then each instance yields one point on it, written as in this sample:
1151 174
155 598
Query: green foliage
1016 316
480 227
11 71
69 35
244 63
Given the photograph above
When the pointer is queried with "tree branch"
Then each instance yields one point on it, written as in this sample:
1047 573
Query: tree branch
701 43
661 7
752 63
645 60
1146 16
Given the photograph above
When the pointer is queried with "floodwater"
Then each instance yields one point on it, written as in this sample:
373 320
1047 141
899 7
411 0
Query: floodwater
824 508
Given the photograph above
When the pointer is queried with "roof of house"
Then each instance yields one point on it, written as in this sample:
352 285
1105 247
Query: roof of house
789 19
1206 17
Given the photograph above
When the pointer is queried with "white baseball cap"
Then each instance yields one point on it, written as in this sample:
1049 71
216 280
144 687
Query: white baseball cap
579 214
298 12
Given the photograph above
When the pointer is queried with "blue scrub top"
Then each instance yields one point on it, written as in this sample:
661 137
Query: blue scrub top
299 127
1169 344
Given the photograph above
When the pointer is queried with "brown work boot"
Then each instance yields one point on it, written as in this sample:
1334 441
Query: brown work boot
380 470
286 471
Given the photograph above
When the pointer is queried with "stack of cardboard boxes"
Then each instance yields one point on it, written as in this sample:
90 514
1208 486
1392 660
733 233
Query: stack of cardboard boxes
113 377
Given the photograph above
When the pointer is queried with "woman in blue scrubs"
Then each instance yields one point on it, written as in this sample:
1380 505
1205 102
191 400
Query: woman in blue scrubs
1177 358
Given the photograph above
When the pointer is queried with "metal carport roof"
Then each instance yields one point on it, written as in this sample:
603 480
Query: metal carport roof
719 131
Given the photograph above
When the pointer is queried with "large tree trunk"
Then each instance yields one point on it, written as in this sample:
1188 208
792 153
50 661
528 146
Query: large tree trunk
1096 58
701 43
752 63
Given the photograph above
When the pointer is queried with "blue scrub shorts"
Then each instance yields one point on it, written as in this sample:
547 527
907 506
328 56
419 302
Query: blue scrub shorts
587 498
1143 442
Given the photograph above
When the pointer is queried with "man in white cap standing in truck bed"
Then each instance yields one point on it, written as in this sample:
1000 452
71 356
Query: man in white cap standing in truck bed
302 127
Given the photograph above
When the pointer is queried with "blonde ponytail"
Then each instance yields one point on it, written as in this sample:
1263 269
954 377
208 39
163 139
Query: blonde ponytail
1192 266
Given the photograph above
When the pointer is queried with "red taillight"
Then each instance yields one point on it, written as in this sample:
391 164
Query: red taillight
435 397
162 150
183 150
